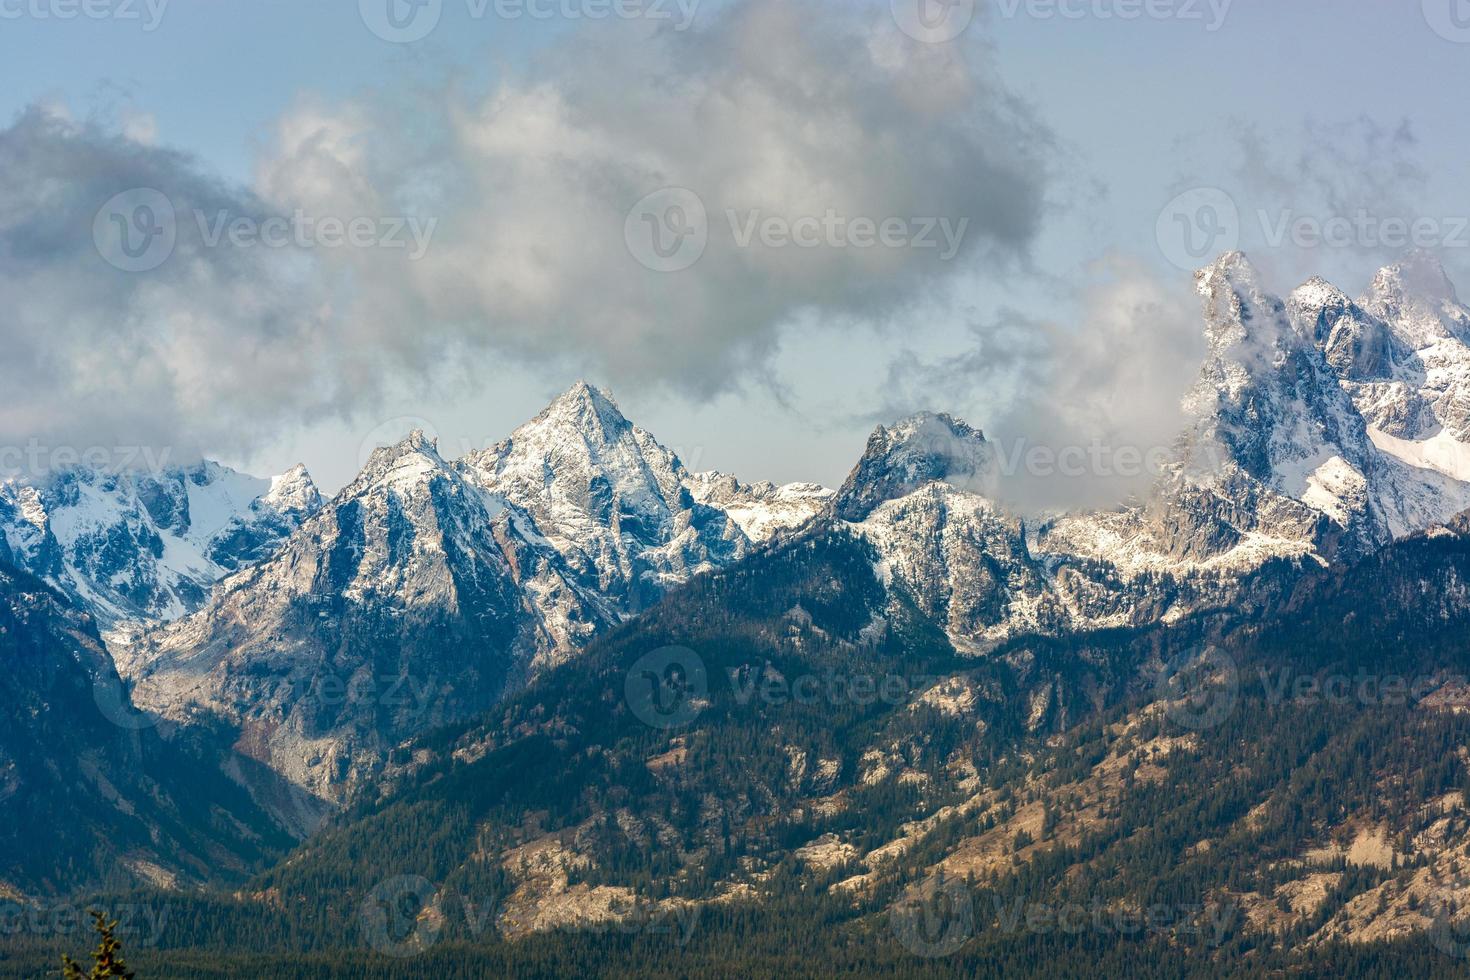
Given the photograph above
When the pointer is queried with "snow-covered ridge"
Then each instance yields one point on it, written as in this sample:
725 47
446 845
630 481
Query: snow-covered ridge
1321 428
464 576
145 546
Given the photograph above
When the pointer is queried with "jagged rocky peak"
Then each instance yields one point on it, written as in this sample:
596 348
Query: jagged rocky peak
582 428
922 449
588 409
1358 345
1415 296
584 472
1238 311
1316 306
294 491
401 466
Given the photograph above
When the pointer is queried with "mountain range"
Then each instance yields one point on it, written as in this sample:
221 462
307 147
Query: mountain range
441 627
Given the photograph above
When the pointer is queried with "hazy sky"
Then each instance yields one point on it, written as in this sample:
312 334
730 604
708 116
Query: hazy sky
1046 147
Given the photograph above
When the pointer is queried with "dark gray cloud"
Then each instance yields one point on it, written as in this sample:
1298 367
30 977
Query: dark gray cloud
207 345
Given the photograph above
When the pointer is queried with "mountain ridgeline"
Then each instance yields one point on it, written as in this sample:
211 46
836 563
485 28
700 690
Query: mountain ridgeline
565 683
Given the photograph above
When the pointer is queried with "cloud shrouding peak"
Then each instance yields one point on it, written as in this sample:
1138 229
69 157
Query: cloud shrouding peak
519 241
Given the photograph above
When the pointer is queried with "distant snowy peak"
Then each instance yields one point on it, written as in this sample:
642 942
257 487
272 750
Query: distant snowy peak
577 457
761 510
1418 300
920 450
401 467
149 546
1239 315
293 492
1358 345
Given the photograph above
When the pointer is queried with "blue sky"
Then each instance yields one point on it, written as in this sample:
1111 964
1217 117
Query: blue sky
1312 108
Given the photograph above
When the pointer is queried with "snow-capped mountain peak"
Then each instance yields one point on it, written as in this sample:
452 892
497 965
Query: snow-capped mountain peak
401 466
589 410
293 491
922 449
1242 320
148 546
1415 296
